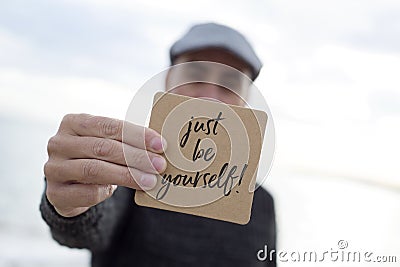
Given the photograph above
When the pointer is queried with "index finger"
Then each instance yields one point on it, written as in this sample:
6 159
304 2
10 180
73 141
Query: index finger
123 131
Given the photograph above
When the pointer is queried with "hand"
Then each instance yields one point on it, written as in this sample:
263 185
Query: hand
86 161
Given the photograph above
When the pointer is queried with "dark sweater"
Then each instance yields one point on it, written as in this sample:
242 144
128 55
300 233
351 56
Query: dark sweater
120 233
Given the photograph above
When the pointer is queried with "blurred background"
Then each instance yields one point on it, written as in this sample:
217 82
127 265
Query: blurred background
330 77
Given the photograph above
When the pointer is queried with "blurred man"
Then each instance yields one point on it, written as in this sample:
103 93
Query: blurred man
86 161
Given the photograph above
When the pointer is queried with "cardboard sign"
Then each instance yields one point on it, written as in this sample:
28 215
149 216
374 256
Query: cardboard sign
212 157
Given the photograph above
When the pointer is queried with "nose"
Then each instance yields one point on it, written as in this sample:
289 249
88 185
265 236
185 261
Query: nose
208 90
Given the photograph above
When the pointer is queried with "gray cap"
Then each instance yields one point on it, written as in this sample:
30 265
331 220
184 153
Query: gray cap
212 35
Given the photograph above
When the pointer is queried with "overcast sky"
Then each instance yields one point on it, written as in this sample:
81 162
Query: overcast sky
331 69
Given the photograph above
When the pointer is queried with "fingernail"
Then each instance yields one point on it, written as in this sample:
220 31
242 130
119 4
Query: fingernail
148 181
159 163
158 144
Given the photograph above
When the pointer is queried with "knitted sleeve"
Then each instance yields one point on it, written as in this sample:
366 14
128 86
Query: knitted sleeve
93 229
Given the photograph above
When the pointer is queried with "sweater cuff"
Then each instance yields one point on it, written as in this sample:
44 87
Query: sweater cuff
74 226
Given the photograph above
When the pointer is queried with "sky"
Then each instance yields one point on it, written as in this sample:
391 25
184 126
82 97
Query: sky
330 73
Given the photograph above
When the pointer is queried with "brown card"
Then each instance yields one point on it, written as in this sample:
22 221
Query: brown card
213 150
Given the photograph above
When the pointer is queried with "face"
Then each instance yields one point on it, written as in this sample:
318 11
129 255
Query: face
215 73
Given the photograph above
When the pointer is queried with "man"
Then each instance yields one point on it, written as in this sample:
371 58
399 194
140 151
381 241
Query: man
86 160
